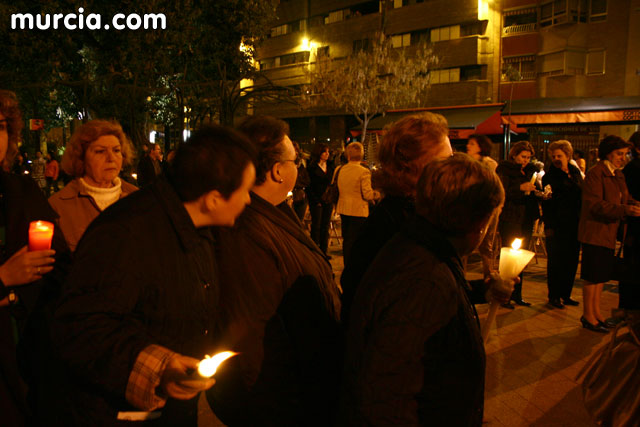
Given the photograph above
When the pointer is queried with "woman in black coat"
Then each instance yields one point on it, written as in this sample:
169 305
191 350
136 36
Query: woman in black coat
415 355
520 205
21 271
561 215
320 175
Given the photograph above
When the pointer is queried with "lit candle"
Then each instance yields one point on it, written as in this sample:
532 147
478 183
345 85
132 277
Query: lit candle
40 235
209 365
534 177
513 260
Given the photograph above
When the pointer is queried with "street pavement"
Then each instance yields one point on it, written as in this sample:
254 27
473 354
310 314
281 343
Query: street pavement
533 354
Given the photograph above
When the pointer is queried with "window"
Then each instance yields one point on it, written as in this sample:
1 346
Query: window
598 11
280 30
473 29
322 52
267 63
449 75
401 40
519 68
445 33
294 58
422 36
361 45
473 72
596 61
520 21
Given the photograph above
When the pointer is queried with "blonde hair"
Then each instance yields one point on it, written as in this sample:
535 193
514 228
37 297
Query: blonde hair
355 151
74 155
563 145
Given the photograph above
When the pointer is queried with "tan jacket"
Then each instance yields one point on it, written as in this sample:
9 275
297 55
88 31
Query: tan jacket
77 209
603 198
354 185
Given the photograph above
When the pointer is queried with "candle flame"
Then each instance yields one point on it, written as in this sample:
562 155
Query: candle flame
209 365
516 244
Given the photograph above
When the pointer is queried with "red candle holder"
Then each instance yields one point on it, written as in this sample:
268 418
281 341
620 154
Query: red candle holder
40 235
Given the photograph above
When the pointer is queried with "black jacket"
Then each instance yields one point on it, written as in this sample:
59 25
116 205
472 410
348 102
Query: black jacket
518 207
279 308
386 219
561 212
147 172
415 355
319 181
143 274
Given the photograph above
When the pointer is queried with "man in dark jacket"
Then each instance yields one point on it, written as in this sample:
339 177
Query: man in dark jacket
561 215
150 167
415 355
136 313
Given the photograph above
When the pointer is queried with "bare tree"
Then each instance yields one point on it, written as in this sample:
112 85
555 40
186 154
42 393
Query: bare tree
371 81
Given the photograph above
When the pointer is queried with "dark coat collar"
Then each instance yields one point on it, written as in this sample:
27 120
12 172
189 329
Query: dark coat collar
187 232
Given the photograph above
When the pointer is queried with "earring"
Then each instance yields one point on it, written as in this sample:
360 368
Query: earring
281 180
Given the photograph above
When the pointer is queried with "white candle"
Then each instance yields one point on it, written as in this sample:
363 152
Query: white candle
209 365
532 181
513 260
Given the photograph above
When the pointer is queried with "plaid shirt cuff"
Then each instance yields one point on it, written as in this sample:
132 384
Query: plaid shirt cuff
145 377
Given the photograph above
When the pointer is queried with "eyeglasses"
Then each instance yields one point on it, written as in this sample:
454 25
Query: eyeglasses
296 160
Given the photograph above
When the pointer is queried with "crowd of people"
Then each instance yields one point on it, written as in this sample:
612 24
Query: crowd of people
211 254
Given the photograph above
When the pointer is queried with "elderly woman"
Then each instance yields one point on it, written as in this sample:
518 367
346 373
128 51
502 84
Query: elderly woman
415 355
354 185
520 206
561 214
605 203
409 144
320 174
21 202
94 156
279 305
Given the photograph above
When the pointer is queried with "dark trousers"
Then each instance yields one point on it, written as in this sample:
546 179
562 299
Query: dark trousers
351 226
563 251
300 208
509 231
320 219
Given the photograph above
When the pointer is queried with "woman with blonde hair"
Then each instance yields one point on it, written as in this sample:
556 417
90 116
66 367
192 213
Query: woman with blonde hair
354 185
94 156
409 144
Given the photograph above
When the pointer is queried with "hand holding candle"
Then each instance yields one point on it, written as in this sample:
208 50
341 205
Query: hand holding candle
40 235
512 261
209 365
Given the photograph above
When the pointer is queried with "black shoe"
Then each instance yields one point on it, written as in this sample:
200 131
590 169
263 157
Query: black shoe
610 323
569 301
522 303
508 305
555 302
592 327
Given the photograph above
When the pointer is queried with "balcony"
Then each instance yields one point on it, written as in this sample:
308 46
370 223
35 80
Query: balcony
519 29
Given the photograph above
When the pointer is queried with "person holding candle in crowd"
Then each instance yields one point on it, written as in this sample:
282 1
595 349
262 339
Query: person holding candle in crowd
561 215
605 203
94 156
479 147
414 351
320 172
408 145
21 270
520 206
279 305
137 311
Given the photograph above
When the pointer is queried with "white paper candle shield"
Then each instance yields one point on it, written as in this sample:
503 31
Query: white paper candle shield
513 260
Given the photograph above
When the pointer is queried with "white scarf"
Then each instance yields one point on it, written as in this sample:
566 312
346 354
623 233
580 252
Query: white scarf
104 197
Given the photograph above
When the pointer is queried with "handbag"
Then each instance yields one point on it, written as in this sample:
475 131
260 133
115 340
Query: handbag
331 194
611 379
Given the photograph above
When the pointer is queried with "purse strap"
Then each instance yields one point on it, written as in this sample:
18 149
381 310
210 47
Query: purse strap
336 175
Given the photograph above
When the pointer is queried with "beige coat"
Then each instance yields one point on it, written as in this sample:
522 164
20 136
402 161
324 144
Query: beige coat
77 209
354 185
